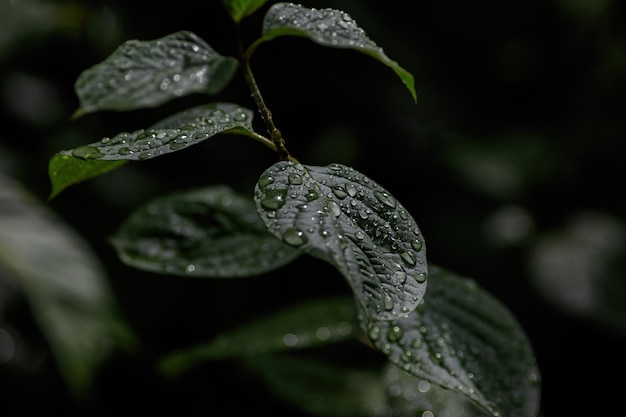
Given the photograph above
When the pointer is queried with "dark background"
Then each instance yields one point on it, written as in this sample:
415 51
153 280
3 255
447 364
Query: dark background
516 139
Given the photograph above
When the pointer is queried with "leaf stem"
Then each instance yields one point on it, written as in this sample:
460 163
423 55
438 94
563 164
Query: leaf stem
266 115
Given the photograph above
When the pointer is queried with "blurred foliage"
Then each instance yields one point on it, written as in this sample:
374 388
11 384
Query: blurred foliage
517 141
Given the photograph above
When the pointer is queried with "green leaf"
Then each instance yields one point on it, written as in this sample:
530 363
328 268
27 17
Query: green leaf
238 9
307 324
143 74
328 27
321 388
408 395
177 132
463 339
65 170
65 284
341 216
208 232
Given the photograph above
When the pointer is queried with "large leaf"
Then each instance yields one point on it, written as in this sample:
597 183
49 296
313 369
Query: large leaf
177 132
208 232
341 216
311 323
238 9
65 285
143 74
463 339
328 27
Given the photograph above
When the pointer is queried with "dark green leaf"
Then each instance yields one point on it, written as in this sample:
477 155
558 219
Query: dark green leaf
463 339
66 170
209 232
65 284
328 27
238 9
313 323
341 216
321 388
149 73
177 132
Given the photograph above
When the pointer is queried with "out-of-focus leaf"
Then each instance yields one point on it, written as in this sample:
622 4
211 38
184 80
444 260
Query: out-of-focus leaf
341 216
65 285
177 132
208 232
410 396
328 27
321 388
238 9
463 339
312 323
581 268
143 74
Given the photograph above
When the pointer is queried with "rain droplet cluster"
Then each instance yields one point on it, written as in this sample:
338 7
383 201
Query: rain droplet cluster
345 218
328 27
147 73
192 126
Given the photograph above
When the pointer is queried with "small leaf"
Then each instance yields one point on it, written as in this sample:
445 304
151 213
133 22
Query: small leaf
238 9
341 216
149 73
177 132
328 27
209 232
311 323
464 340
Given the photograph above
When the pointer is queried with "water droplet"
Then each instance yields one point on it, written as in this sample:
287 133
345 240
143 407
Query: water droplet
144 155
265 180
312 194
87 152
388 303
385 198
421 277
190 268
294 237
409 258
374 333
395 333
290 339
339 192
294 179
125 151
274 199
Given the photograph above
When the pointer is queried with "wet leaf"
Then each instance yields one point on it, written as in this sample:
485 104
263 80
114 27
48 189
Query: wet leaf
208 232
65 284
322 388
409 395
177 132
238 9
463 339
143 74
328 27
341 216
307 324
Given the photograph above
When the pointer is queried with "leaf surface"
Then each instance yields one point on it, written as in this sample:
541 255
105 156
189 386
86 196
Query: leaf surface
311 323
341 216
174 133
328 27
142 74
463 339
208 232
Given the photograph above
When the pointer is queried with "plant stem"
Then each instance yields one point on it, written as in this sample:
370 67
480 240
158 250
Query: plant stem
266 115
